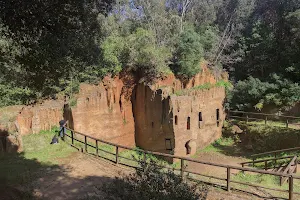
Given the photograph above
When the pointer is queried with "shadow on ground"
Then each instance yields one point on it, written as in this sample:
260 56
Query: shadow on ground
27 179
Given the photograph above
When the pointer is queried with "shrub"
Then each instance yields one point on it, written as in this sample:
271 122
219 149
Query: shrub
153 183
254 93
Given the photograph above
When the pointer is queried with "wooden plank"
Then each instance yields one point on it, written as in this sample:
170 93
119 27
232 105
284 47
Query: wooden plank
259 186
269 159
277 151
265 114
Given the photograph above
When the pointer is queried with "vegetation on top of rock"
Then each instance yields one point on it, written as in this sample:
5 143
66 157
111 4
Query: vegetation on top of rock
206 86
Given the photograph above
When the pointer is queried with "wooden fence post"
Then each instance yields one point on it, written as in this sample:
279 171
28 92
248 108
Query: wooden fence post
85 144
228 179
72 136
275 159
291 184
182 168
117 155
266 165
97 149
247 119
253 162
296 165
64 133
144 160
228 115
266 119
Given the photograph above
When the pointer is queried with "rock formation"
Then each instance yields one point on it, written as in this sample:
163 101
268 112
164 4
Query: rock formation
168 116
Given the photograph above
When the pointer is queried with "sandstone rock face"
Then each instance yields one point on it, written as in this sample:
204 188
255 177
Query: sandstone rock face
153 120
169 116
14 144
33 119
104 111
199 118
172 117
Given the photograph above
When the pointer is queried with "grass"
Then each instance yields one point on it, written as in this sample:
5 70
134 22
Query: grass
205 86
215 147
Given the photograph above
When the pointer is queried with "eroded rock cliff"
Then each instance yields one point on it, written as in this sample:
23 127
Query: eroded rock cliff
168 116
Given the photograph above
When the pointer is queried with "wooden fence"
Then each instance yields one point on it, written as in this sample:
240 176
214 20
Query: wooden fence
274 153
183 171
290 169
265 161
252 116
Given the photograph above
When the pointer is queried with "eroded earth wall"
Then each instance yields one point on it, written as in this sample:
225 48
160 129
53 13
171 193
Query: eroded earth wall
33 119
103 111
198 120
153 119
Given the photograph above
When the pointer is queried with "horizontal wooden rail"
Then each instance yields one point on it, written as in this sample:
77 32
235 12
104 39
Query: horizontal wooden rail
263 114
269 159
183 159
275 152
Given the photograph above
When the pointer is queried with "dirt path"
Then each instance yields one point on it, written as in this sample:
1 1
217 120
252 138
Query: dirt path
218 158
81 176
78 176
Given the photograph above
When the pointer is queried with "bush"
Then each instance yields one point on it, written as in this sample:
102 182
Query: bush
253 93
264 138
153 183
14 95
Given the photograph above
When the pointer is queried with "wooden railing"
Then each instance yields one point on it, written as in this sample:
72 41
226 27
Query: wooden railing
252 116
265 161
183 160
290 169
274 153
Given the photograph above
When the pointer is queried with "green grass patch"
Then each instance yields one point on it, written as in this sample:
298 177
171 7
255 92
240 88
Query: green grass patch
215 147
205 86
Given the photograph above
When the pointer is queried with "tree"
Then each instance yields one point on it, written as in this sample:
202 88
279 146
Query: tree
189 52
47 40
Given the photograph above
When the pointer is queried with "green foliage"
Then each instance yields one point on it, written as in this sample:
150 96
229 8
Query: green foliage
189 53
145 55
113 49
253 93
40 53
14 95
153 183
206 86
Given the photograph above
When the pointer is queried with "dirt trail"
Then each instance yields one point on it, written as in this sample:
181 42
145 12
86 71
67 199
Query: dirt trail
81 176
215 158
